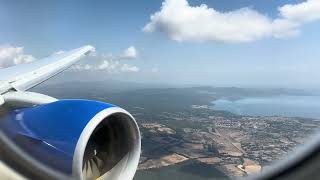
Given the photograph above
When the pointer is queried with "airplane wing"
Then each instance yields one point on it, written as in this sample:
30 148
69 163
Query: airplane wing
25 76
82 138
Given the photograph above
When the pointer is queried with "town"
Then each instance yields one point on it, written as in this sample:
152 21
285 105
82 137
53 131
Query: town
235 145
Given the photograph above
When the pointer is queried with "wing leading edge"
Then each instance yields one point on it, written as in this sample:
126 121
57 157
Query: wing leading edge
25 76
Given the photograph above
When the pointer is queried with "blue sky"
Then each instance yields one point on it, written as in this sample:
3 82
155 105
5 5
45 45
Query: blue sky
174 52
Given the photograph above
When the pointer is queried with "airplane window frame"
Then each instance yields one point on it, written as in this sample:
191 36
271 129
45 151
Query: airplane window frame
23 164
303 157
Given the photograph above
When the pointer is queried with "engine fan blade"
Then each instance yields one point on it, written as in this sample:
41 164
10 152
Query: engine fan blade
93 164
94 169
98 161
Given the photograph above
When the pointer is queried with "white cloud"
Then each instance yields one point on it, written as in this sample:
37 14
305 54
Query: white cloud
114 66
10 55
304 12
80 67
129 68
110 63
104 65
129 53
109 66
182 22
87 67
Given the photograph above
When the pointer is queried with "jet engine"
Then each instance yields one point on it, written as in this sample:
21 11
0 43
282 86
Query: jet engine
82 138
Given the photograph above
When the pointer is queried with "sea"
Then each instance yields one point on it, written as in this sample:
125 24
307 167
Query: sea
282 105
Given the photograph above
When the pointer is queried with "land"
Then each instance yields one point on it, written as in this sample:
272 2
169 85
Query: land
236 146
184 138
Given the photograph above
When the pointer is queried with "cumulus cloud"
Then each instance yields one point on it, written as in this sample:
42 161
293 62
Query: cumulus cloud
182 22
110 63
80 67
104 65
129 68
110 66
129 53
307 11
10 55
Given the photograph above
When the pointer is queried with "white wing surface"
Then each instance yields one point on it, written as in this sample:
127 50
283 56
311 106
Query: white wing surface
25 76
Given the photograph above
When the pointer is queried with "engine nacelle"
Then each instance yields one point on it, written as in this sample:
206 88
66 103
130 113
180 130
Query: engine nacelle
86 139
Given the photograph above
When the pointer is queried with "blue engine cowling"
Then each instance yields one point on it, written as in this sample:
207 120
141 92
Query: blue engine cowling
57 134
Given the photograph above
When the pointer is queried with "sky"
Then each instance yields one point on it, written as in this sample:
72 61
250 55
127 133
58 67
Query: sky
251 43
